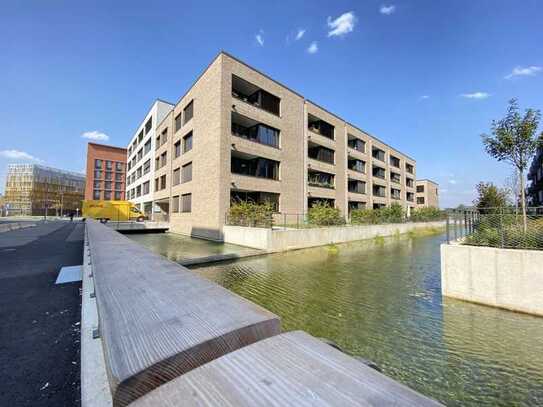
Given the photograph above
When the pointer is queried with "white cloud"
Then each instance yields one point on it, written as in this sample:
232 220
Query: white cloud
452 181
18 155
313 48
424 97
260 38
300 34
520 71
475 95
342 25
95 135
387 10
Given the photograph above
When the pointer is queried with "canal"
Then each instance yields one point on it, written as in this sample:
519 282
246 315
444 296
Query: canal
382 301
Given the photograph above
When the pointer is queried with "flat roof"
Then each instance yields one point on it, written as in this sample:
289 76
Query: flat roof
106 146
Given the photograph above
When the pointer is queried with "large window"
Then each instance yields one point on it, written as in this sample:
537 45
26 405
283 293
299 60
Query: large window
255 167
420 200
148 125
320 179
394 161
187 142
252 94
357 165
188 112
321 154
356 143
378 154
357 187
395 193
420 188
186 173
378 172
186 203
175 204
321 127
259 132
176 176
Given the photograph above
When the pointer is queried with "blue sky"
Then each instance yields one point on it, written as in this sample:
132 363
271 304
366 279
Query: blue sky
424 76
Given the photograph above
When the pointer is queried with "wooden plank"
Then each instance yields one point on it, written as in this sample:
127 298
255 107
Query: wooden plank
291 369
159 320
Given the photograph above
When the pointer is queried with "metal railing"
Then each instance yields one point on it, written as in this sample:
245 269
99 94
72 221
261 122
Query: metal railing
497 227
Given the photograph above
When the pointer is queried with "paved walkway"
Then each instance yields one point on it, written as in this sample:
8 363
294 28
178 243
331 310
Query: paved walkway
39 329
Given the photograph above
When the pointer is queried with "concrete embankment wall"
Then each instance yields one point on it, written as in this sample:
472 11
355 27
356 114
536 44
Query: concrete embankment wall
504 278
6 227
288 239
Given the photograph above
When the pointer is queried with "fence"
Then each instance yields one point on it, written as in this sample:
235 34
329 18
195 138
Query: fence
497 227
283 220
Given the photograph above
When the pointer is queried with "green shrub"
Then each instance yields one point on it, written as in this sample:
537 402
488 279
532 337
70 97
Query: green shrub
322 214
391 214
426 214
247 213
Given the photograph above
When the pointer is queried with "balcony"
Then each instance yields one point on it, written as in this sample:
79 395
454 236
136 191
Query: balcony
257 197
378 154
356 205
253 166
356 187
252 130
320 153
409 183
379 190
395 177
255 96
394 161
410 196
321 127
378 172
356 165
312 201
395 193
320 179
356 143
409 168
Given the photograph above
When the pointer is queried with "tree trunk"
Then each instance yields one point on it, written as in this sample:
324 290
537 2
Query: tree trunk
523 201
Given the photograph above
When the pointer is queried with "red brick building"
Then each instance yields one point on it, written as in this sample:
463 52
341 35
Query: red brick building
106 172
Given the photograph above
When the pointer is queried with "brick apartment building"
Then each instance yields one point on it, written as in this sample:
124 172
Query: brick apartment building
106 172
427 194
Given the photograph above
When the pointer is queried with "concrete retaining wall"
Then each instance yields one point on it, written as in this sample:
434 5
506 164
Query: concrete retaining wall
6 227
288 239
505 278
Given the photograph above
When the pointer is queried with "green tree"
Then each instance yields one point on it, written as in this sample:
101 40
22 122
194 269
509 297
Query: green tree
489 197
514 139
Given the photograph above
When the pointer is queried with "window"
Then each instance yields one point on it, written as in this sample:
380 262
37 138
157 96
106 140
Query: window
98 164
356 144
163 158
145 188
187 142
97 184
109 176
395 177
378 154
148 125
163 182
118 195
420 188
186 173
118 166
394 161
164 137
176 176
107 195
321 127
118 186
138 191
420 200
147 146
175 204
409 168
157 184
178 122
259 132
186 203
357 165
255 167
177 149
188 113
129 165
140 154
395 193
409 182
107 185
252 94
378 172
357 187
321 154
157 163
109 165
96 194
147 166
140 137
98 174
118 176
138 172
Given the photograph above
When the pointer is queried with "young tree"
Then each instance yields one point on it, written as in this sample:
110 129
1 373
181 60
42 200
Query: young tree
514 140
490 198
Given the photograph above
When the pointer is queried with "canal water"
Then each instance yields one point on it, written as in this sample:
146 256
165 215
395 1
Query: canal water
382 301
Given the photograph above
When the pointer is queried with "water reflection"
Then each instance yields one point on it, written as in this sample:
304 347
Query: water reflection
383 302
